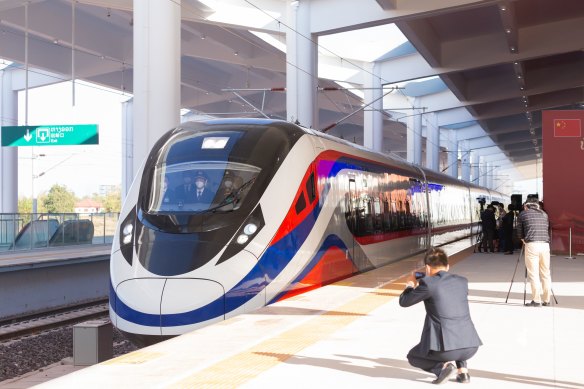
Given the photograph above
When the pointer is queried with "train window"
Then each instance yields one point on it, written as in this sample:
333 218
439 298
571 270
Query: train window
310 189
300 204
200 186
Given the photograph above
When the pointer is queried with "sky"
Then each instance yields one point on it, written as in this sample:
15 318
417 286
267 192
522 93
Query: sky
82 169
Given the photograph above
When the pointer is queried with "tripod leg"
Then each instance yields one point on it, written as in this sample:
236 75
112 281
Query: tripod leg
553 294
513 278
525 286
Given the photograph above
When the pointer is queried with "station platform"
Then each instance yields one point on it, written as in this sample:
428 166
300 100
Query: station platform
354 334
28 259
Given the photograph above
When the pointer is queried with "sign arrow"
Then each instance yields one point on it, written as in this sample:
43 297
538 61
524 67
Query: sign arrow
28 136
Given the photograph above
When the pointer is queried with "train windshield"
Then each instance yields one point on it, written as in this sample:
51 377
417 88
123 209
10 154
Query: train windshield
196 173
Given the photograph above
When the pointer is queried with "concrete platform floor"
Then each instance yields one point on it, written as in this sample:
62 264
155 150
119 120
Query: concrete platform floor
353 334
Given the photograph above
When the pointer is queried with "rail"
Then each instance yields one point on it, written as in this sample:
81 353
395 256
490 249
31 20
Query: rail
30 231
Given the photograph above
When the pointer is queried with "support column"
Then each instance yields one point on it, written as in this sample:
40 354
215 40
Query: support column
476 171
484 171
433 144
127 146
490 174
465 161
452 154
373 118
156 73
414 135
8 155
301 67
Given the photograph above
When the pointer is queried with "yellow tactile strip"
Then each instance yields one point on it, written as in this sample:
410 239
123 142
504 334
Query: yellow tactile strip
240 368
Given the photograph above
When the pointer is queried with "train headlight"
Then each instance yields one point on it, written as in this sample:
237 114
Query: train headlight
127 236
242 239
127 239
249 229
128 228
127 233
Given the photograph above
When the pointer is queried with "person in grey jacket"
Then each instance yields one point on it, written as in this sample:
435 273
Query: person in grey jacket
448 333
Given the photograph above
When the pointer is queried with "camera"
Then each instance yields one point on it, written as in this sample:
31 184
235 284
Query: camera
482 200
419 275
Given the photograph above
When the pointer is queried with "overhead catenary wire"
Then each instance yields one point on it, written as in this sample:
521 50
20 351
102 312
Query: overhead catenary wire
280 22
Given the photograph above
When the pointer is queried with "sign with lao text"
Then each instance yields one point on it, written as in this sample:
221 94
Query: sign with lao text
50 135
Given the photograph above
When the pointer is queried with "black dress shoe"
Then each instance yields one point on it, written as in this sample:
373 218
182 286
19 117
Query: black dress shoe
463 378
546 304
509 253
533 304
447 371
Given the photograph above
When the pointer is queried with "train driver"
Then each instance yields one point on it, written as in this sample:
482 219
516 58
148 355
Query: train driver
202 193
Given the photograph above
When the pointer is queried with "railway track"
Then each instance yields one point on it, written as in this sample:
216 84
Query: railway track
33 324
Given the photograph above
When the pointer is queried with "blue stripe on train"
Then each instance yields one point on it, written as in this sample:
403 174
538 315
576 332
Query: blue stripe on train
270 264
329 242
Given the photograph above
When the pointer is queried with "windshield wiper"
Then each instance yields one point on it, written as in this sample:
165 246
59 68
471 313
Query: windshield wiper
232 197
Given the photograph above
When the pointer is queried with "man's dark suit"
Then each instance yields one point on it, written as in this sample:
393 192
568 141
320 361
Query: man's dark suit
448 333
185 193
205 196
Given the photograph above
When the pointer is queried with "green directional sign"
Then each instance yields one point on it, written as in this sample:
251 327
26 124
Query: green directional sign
50 135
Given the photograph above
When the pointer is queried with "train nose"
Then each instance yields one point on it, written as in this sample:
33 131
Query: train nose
190 302
164 306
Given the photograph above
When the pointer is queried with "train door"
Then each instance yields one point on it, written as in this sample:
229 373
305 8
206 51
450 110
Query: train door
352 208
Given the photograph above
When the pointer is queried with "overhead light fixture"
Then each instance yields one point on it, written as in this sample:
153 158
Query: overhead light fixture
503 8
508 31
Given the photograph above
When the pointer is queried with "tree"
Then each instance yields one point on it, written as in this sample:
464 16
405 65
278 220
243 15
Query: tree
59 200
113 201
24 205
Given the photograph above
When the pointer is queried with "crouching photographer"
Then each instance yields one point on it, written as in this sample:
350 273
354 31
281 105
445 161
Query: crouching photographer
448 334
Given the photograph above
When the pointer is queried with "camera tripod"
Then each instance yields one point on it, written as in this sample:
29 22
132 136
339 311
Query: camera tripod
478 240
524 280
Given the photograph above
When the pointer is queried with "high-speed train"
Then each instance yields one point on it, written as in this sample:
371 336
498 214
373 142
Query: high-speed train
226 216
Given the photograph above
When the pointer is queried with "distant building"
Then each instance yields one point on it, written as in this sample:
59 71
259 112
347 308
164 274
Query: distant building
88 206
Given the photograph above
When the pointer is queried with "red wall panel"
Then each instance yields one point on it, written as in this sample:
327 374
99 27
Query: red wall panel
563 177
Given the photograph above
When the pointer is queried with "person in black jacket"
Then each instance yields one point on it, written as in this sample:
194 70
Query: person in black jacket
489 224
508 220
449 333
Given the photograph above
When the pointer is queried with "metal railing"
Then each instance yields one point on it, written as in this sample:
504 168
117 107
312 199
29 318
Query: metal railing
28 231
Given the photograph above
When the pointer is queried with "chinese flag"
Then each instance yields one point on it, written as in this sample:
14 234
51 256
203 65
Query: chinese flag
567 128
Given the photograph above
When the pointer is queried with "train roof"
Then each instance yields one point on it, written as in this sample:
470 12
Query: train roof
396 159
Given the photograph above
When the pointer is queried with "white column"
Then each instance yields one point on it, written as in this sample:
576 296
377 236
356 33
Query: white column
414 134
156 73
452 154
433 143
373 118
476 171
465 160
127 146
484 171
301 67
8 155
490 174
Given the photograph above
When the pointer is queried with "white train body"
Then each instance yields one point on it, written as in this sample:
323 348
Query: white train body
303 209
